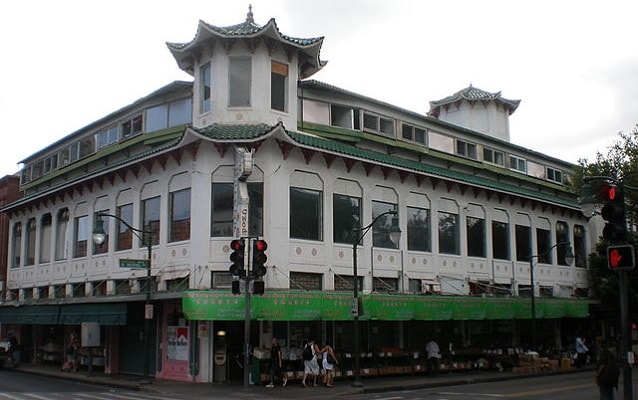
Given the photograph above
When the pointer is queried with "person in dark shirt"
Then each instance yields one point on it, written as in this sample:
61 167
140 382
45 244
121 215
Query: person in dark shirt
14 349
276 364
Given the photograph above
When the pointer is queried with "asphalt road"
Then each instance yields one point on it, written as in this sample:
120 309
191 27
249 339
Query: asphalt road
553 387
15 385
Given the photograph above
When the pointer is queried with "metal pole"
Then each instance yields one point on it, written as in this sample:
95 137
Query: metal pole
247 333
148 311
355 312
533 297
625 335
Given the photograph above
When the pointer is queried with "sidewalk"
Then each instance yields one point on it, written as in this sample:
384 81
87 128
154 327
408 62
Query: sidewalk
235 390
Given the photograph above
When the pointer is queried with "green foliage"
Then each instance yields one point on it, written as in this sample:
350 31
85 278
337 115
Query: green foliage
621 164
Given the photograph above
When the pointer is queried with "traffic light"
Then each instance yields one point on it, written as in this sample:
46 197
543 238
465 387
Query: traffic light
613 212
235 287
237 258
259 257
621 257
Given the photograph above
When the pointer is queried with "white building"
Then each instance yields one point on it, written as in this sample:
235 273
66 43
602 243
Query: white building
475 211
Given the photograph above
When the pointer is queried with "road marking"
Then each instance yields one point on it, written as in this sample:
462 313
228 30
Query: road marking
549 390
474 394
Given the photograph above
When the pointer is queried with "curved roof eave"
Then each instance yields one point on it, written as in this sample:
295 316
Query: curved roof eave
314 142
247 30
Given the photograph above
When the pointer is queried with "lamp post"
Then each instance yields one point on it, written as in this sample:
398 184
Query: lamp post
395 236
145 236
569 259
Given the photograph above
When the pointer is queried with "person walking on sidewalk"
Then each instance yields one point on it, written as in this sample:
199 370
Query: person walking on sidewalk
433 357
607 374
581 351
310 365
328 362
276 364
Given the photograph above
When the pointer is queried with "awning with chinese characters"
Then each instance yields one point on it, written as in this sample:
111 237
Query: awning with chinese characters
337 306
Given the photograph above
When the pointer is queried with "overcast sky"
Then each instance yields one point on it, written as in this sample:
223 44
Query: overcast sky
574 64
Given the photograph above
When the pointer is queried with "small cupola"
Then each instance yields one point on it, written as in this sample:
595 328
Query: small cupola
236 67
478 110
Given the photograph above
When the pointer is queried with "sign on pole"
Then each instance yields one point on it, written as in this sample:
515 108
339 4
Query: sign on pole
621 257
133 263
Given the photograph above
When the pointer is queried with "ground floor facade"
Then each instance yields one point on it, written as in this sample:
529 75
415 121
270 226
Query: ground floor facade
198 336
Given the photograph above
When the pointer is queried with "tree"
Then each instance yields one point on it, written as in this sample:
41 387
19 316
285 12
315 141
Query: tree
621 163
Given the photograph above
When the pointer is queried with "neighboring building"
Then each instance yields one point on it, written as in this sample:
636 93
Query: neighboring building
473 209
9 192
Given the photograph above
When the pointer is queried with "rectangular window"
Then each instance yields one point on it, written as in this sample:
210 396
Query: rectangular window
157 118
562 240
554 175
205 88
240 71
306 214
222 209
500 240
17 245
466 149
543 246
449 233
81 236
518 164
104 246
61 224
493 156
346 216
278 85
180 217
45 238
124 234
419 229
106 137
30 242
376 124
414 133
523 242
475 236
342 116
305 281
151 219
381 228
131 127
180 112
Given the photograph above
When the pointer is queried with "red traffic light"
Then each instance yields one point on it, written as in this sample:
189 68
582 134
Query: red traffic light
621 257
608 193
260 245
237 244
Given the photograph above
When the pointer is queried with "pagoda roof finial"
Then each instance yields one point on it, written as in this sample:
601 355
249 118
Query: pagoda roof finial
249 16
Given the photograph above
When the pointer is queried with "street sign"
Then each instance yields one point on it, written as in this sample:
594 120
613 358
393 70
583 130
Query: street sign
621 257
133 263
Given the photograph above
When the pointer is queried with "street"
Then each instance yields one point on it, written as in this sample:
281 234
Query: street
552 387
15 385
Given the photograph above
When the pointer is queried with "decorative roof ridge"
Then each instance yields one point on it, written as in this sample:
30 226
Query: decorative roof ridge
471 94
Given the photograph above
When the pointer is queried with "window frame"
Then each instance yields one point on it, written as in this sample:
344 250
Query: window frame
299 212
205 88
279 73
239 91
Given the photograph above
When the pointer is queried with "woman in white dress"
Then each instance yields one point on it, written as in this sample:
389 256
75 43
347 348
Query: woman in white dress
329 359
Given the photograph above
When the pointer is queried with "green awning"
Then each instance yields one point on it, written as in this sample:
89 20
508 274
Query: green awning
336 306
33 315
102 313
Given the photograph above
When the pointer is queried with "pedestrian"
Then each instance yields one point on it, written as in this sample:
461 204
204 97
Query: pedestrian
276 364
14 349
310 365
73 347
607 373
581 351
433 357
329 361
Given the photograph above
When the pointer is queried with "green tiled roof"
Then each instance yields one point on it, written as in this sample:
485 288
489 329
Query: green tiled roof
234 132
351 151
251 132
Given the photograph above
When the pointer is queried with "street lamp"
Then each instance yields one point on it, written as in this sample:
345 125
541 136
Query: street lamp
395 236
145 236
569 259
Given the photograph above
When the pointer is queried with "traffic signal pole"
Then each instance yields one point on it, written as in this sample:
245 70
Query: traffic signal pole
612 197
